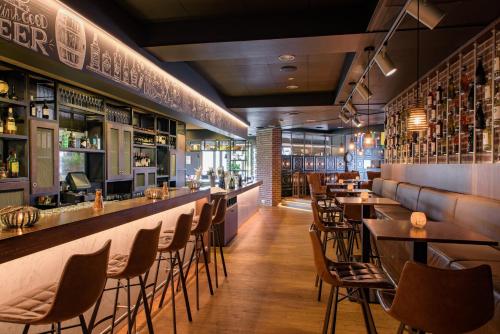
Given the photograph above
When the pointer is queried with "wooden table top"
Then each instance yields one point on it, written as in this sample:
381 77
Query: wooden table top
402 230
352 191
368 201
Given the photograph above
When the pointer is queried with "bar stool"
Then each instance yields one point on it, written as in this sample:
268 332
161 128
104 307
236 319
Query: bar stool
198 231
80 285
354 276
441 300
171 245
136 264
217 221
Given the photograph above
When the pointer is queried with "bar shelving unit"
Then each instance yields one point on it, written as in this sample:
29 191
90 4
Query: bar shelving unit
463 140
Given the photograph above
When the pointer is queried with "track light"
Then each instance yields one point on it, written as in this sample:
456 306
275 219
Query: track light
385 63
351 108
363 91
344 117
428 14
356 122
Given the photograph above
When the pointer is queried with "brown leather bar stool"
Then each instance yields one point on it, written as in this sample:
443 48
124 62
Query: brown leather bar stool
332 231
439 300
354 276
217 221
198 231
125 267
80 285
171 245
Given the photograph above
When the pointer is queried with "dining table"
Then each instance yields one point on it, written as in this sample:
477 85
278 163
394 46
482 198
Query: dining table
434 231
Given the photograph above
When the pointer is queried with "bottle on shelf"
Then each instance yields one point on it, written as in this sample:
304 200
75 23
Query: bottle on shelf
496 107
84 140
10 127
64 139
13 164
439 128
45 110
480 72
32 107
430 99
96 142
12 94
487 88
451 89
1 126
433 114
496 63
439 94
470 139
464 81
480 117
71 140
456 143
487 137
470 98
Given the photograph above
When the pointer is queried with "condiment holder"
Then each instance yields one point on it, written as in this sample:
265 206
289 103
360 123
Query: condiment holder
19 216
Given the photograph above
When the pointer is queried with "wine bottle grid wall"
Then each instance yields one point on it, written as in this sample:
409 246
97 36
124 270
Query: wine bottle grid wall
462 99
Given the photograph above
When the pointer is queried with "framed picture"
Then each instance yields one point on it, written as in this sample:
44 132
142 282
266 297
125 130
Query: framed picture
286 162
298 163
330 162
308 163
320 163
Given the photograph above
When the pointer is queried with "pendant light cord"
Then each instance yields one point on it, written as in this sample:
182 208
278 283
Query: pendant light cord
418 53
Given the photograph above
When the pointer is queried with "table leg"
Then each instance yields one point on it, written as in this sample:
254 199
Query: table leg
365 240
420 251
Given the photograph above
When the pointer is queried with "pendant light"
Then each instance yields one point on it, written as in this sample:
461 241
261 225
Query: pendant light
352 145
417 116
368 138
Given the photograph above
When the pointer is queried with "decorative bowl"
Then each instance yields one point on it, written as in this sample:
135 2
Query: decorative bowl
154 193
19 216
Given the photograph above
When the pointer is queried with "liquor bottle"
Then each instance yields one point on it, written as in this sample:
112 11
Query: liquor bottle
45 110
71 140
97 141
487 89
496 63
433 114
11 127
496 107
487 137
12 94
439 94
439 128
451 123
65 139
451 89
470 139
480 117
32 107
430 99
1 126
480 73
13 164
84 140
464 81
470 98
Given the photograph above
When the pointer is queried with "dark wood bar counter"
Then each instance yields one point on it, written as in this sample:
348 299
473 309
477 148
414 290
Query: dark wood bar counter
66 226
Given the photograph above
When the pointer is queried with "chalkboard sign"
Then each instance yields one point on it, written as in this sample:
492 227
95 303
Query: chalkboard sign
49 28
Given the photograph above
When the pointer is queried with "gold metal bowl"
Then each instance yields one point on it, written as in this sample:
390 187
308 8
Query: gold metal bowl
19 216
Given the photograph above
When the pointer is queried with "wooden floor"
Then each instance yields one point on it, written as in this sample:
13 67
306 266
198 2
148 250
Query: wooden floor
270 288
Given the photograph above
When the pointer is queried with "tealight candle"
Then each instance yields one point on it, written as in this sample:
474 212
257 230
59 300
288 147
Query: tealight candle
350 186
418 219
364 196
341 181
357 178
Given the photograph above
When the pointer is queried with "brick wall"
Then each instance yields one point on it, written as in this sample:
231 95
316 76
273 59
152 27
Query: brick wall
269 165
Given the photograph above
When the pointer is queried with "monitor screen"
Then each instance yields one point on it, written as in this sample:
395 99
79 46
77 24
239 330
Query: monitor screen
78 181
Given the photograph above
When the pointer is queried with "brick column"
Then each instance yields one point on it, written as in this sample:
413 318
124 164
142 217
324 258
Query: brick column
269 165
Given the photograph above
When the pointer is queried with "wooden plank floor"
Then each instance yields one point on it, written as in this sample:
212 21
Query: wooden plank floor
270 288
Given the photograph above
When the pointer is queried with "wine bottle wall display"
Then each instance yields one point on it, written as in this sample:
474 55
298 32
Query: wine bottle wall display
462 100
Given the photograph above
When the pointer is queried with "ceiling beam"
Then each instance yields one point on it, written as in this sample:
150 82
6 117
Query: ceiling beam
345 20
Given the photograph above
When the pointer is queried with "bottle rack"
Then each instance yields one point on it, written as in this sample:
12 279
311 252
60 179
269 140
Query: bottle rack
464 138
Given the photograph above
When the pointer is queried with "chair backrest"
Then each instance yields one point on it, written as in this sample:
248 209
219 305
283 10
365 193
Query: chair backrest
442 300
143 252
320 260
220 212
182 231
205 219
81 283
372 175
314 180
316 218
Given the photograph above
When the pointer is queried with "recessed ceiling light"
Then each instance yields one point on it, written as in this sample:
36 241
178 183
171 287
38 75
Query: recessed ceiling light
288 68
292 87
286 58
291 79
310 120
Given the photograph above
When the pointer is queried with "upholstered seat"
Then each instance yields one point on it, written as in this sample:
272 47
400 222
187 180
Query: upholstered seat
392 212
30 307
116 265
443 254
358 274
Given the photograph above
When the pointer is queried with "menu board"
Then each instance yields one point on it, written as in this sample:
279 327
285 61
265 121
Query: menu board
52 29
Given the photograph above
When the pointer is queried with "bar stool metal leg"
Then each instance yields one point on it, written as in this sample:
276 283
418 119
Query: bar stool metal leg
146 305
212 234
173 292
183 283
83 324
207 269
221 251
26 329
118 284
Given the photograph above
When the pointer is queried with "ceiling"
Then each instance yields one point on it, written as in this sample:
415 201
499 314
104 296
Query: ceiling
235 45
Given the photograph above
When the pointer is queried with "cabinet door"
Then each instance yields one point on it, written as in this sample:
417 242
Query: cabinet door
126 144
44 157
113 151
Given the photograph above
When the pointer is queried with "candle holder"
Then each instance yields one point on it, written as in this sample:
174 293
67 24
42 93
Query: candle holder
154 193
341 181
98 201
19 216
418 219
165 190
350 186
364 196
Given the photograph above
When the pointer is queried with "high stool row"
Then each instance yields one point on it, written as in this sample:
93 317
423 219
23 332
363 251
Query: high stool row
83 280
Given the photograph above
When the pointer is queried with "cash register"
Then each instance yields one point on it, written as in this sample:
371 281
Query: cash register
78 189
